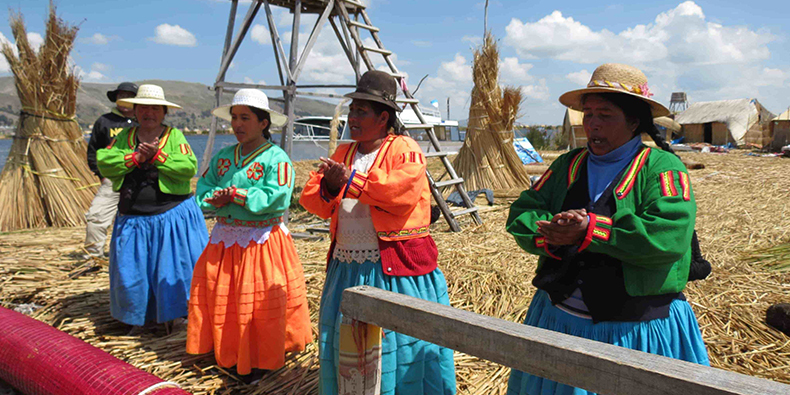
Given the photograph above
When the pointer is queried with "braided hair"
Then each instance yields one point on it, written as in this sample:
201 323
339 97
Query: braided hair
635 109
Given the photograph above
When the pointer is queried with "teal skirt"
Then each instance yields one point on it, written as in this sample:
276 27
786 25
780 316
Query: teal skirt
409 365
677 336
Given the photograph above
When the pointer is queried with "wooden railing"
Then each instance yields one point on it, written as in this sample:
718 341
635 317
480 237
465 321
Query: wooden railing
583 363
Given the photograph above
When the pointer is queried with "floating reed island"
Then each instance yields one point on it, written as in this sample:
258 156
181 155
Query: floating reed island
486 273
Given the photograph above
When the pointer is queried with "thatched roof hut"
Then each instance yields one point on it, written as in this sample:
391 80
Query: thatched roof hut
573 129
720 122
780 130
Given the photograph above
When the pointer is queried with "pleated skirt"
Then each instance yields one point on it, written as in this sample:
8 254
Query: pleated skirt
151 261
249 304
677 336
409 366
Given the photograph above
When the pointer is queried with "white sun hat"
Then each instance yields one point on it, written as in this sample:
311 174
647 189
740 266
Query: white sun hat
252 98
148 94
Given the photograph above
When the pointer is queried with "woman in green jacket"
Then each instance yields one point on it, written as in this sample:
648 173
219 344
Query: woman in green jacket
613 225
159 232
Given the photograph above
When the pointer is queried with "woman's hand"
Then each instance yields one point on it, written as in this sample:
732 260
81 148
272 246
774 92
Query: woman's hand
566 228
146 151
221 197
336 174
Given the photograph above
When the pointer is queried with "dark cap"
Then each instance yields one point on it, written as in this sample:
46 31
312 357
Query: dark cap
123 86
376 86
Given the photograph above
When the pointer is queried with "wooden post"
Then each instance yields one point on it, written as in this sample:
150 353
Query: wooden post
218 93
575 361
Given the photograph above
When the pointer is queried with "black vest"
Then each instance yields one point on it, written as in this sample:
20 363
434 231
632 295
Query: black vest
599 276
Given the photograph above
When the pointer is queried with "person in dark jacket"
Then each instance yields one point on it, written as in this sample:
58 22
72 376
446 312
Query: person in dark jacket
105 204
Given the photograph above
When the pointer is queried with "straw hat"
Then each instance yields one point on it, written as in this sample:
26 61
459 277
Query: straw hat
252 98
377 86
620 78
150 95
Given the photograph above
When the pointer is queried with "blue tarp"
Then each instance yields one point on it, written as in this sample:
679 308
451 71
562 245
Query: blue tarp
526 151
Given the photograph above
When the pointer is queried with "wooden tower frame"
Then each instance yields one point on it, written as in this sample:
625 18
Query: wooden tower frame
346 17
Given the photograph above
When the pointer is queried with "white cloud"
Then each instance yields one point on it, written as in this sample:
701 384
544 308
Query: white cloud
684 30
91 76
248 80
539 91
679 50
456 70
474 40
4 67
100 67
99 39
513 72
35 40
581 78
260 34
422 44
174 35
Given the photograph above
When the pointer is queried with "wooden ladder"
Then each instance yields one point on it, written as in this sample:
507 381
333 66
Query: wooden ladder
343 7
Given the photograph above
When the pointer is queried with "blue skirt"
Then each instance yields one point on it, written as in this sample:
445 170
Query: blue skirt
677 336
408 365
151 261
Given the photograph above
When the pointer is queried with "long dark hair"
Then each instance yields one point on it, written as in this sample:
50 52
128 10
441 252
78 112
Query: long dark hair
261 115
633 108
393 122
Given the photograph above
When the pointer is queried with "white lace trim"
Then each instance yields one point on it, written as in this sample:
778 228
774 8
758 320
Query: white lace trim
356 234
241 235
359 256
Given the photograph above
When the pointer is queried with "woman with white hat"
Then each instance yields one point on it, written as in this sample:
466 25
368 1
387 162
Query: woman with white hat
248 300
159 232
613 225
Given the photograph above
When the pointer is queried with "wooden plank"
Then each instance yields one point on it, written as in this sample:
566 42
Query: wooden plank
313 38
363 26
595 366
218 93
377 50
446 183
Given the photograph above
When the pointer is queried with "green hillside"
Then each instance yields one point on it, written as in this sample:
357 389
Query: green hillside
196 99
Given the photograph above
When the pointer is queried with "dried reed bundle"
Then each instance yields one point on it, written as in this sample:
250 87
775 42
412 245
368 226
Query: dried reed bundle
487 159
46 180
333 125
775 257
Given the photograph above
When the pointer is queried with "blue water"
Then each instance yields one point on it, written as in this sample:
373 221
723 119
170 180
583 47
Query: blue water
301 150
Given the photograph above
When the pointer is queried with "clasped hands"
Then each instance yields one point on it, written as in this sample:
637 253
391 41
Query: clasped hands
221 197
566 228
146 151
336 175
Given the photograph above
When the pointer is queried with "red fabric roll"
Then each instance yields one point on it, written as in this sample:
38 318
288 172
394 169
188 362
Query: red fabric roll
36 358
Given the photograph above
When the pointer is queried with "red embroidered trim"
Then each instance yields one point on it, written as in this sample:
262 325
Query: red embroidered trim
542 180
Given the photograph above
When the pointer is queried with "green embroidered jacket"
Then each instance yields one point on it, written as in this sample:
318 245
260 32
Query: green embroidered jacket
175 160
264 181
650 231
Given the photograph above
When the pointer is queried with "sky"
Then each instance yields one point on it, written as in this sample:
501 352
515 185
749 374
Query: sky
712 50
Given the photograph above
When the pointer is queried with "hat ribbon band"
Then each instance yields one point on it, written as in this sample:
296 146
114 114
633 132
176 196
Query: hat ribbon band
642 90
375 92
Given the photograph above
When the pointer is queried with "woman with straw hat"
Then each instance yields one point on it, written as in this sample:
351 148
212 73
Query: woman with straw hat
159 232
613 225
249 300
376 192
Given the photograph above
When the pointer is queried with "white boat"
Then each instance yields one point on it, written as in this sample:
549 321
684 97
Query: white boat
312 133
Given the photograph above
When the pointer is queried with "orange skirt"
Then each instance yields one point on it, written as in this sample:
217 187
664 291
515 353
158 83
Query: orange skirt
249 304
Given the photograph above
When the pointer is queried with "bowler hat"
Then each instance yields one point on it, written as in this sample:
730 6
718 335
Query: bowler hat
123 86
377 86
